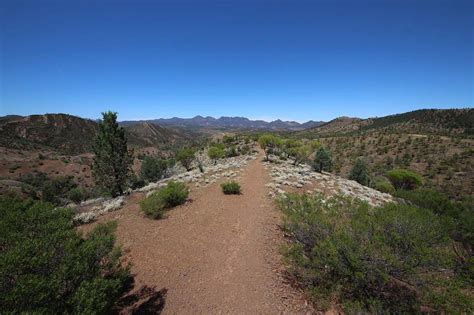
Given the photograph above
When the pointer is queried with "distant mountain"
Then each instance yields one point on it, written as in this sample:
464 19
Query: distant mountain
436 121
73 135
227 123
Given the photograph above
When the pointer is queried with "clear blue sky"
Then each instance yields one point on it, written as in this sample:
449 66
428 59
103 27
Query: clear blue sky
295 60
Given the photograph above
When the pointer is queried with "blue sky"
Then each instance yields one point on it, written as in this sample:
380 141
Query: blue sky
297 60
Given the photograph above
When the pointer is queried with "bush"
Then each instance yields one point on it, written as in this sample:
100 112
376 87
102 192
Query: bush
174 194
404 179
384 186
77 194
390 259
322 161
185 157
231 188
215 153
47 268
153 168
360 173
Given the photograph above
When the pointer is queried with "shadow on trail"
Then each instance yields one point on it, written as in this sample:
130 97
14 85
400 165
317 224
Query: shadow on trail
143 300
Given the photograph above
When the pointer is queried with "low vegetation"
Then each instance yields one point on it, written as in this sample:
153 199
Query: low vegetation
155 205
404 179
186 157
231 188
46 267
395 259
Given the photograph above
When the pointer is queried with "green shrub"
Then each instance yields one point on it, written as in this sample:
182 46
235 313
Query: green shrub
46 267
174 194
185 156
77 194
360 173
230 188
390 259
215 153
404 179
153 168
384 186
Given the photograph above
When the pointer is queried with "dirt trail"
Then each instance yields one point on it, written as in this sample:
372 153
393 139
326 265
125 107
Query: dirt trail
215 254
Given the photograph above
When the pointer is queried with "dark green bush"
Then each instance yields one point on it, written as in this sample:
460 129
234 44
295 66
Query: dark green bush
77 194
391 259
230 188
404 179
322 161
174 194
47 268
360 173
153 168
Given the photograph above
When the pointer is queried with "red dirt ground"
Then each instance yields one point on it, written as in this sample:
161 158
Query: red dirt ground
215 254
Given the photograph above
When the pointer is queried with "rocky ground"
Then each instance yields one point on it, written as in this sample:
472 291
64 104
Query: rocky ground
289 177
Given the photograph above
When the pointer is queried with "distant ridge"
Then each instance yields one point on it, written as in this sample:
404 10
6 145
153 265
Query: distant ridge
227 122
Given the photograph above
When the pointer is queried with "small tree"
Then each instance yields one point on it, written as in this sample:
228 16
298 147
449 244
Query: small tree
322 161
268 142
360 173
112 161
185 156
299 154
404 179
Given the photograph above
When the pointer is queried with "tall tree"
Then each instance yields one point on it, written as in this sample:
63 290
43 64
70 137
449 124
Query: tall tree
113 160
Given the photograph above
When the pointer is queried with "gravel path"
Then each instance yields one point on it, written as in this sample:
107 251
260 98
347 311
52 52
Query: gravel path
215 254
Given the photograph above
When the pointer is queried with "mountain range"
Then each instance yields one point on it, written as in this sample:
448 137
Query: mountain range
228 123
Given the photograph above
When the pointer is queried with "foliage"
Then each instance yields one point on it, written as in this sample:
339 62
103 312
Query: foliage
47 268
52 189
322 161
174 194
153 168
215 153
268 143
299 154
404 179
77 194
391 259
360 173
112 161
230 188
384 186
185 156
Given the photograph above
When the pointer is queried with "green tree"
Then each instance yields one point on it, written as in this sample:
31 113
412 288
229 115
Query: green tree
46 267
404 179
185 156
322 161
112 161
299 154
360 173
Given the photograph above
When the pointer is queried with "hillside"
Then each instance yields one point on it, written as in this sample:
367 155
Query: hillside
61 132
74 135
425 121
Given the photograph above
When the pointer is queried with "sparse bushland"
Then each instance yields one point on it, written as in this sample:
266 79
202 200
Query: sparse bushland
322 161
174 194
360 173
54 190
186 157
395 258
230 188
113 160
46 267
404 179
